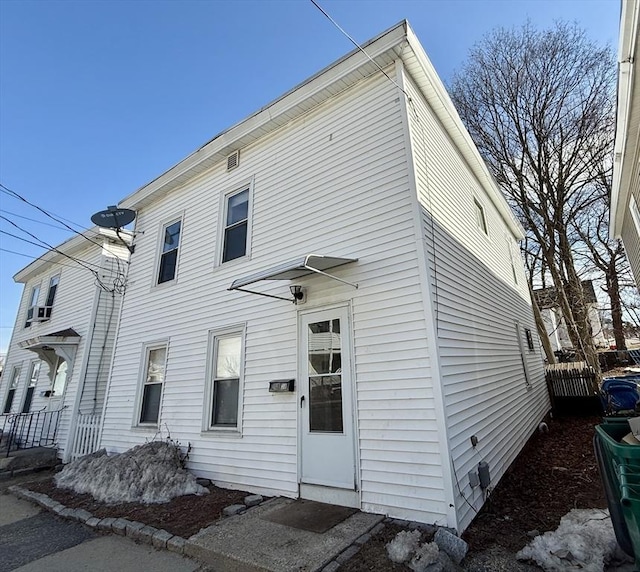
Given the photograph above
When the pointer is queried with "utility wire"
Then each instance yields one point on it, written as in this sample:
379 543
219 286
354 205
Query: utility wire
7 190
18 196
38 221
31 256
357 45
43 244
423 148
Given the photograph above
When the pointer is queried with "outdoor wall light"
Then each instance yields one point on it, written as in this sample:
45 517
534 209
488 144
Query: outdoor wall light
299 294
281 385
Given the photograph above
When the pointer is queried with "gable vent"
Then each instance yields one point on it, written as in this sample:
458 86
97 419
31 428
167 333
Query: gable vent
233 160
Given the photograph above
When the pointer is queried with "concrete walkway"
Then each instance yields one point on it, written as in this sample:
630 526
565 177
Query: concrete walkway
250 542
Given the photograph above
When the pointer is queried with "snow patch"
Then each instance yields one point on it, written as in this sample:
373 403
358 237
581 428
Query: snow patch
584 541
150 473
403 546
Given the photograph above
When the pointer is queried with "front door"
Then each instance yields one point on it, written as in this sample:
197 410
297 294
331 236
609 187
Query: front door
58 386
326 388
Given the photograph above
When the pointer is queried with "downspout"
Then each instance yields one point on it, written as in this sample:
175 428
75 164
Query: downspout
82 379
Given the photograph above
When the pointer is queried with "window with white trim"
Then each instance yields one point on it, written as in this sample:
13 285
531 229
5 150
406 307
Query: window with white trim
11 393
512 260
481 220
169 253
635 213
236 225
33 302
152 383
226 371
31 386
51 296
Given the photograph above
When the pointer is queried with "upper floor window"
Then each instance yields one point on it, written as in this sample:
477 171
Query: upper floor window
481 221
169 255
33 302
155 363
236 225
51 296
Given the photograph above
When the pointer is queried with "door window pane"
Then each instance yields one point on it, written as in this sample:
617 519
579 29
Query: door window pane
325 381
325 403
60 379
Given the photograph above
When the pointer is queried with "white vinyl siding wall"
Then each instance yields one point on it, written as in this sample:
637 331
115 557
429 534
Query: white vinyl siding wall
332 182
476 303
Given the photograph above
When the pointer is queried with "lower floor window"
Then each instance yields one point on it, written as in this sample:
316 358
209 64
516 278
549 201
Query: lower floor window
153 380
226 375
13 386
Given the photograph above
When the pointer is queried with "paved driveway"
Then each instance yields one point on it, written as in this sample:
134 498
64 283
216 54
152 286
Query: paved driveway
32 540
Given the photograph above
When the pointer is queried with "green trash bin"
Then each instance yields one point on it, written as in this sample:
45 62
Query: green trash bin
620 471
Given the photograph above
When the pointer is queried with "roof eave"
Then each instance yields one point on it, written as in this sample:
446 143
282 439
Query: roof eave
626 78
288 107
434 90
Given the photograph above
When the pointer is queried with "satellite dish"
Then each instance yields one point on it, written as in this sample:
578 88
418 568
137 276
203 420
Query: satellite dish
113 217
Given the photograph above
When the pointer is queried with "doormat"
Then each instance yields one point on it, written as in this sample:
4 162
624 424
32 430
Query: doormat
310 515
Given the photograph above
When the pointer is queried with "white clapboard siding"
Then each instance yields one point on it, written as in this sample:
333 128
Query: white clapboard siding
73 308
333 182
476 303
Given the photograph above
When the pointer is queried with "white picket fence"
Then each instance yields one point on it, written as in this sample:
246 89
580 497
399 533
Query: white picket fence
85 440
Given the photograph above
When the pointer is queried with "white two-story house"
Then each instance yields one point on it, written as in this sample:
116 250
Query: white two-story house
327 301
60 352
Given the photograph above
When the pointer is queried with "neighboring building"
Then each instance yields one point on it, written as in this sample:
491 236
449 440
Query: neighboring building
60 351
547 299
625 195
414 331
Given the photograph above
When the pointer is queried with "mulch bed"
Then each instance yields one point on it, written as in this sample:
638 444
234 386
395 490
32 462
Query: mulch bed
183 516
555 472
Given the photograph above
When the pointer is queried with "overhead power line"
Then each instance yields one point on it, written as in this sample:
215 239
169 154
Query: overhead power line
8 191
357 45
36 220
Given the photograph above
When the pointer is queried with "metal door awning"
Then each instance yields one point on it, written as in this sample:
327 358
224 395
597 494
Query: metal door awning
309 264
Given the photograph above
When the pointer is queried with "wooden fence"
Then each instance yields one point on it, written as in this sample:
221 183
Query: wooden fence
573 389
86 435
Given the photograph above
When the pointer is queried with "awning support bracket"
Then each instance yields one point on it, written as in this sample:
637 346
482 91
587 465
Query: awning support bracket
263 294
312 269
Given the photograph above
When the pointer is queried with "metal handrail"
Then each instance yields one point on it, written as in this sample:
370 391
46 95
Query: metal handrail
30 430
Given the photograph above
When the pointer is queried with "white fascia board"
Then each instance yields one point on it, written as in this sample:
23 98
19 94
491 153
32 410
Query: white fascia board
270 116
69 247
436 94
624 165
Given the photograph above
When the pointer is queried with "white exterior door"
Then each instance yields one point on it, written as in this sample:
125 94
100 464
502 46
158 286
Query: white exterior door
326 388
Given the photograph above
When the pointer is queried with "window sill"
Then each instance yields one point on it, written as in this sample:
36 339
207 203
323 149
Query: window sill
231 263
221 432
147 427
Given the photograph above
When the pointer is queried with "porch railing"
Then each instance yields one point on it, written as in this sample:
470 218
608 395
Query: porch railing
85 440
29 430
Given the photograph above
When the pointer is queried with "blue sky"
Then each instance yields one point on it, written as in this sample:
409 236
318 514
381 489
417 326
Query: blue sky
99 97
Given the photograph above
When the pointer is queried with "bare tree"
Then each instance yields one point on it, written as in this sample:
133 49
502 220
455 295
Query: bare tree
538 105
